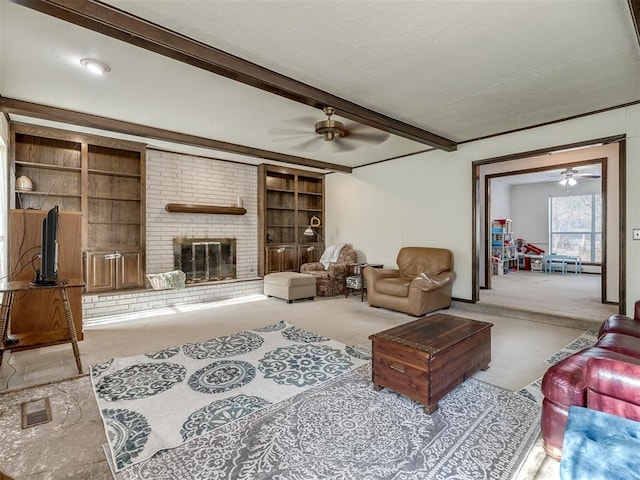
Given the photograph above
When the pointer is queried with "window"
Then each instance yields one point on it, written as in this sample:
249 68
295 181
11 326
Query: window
576 226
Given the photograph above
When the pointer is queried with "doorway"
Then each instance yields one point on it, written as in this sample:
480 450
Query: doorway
545 167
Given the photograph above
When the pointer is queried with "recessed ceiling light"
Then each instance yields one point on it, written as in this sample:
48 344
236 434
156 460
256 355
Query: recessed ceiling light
95 66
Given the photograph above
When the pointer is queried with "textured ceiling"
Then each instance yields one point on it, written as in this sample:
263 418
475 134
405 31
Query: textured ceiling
459 69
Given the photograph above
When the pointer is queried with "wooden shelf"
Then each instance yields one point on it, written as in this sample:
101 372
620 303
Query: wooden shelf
101 178
93 171
47 166
287 199
114 198
209 209
49 194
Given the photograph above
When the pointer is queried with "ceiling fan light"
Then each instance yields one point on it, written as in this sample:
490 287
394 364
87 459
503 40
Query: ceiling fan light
571 181
563 182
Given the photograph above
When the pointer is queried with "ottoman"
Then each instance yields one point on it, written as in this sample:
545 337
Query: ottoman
290 286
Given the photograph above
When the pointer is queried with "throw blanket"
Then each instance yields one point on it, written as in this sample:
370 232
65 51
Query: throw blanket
162 399
330 255
600 446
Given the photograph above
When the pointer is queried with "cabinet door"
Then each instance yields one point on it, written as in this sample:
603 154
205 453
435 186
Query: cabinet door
282 258
129 269
99 269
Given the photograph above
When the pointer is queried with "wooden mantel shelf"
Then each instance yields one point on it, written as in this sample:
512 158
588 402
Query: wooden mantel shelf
212 209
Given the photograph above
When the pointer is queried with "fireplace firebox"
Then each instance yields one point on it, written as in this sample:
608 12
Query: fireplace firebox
205 259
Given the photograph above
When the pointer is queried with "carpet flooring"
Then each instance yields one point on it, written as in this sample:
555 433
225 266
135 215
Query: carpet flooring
587 339
71 445
344 429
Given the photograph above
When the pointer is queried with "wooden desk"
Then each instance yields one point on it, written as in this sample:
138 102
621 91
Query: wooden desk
38 338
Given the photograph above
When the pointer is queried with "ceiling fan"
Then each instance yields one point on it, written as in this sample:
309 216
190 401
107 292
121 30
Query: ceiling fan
332 132
570 175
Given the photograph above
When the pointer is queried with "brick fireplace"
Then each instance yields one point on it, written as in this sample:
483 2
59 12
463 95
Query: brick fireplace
177 178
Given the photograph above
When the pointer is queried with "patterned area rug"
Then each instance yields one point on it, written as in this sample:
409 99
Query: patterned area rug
162 399
587 339
344 429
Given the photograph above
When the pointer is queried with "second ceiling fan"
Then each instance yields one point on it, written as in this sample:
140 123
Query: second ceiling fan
570 176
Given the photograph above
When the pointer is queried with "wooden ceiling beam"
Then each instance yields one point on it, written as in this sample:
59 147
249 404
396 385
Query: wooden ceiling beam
118 24
28 109
634 8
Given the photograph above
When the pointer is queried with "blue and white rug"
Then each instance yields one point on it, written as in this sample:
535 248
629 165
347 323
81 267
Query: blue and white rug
163 399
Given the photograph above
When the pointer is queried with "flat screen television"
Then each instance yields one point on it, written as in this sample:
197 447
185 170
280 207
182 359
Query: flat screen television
48 273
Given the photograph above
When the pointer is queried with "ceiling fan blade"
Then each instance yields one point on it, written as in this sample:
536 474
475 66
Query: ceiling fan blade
589 175
310 145
365 133
287 131
368 137
304 120
342 145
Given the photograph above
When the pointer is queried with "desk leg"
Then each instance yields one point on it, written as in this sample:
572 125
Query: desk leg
5 314
72 328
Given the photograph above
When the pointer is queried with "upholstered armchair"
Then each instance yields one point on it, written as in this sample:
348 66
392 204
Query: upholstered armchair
331 275
422 282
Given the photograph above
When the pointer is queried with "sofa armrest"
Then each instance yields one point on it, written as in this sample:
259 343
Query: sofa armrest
430 282
619 323
311 267
371 274
617 379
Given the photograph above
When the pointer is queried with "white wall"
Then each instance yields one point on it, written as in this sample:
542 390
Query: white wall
530 208
500 200
427 199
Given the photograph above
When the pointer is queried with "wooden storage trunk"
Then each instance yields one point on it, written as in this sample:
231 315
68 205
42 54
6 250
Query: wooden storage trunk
427 358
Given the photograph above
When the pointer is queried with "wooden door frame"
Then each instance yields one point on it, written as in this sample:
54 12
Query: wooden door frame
480 222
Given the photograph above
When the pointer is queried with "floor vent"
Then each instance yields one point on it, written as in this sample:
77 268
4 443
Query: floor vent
36 412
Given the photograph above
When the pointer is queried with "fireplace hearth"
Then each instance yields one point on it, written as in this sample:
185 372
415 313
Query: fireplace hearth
205 259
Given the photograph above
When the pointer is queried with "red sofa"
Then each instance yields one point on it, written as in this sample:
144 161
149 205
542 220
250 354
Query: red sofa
605 377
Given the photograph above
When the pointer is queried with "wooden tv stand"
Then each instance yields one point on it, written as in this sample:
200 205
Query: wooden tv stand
31 339
37 314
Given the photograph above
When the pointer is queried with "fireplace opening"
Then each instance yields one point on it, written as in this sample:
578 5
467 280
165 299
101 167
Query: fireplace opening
205 259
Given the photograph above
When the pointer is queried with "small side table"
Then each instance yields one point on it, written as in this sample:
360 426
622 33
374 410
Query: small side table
8 289
355 280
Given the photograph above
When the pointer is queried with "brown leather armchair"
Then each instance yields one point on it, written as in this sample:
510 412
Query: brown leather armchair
422 282
331 280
